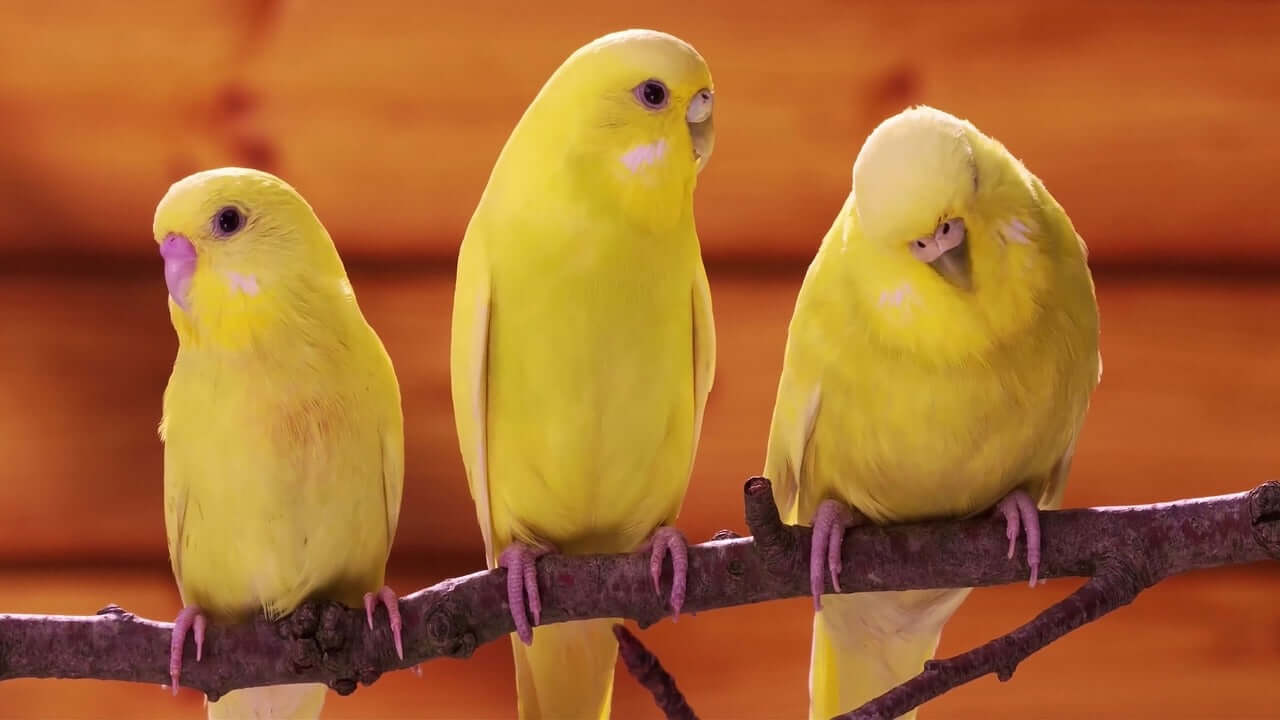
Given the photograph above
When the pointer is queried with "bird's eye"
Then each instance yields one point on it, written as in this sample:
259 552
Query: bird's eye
946 228
652 94
228 221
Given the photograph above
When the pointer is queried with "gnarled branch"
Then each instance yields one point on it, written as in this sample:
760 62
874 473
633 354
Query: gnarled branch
645 668
332 644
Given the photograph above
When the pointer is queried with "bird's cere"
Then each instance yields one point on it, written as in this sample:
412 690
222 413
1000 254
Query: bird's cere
179 265
700 107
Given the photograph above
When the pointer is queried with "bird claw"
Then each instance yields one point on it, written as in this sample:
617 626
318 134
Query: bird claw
829 525
190 618
667 539
391 601
1021 516
520 560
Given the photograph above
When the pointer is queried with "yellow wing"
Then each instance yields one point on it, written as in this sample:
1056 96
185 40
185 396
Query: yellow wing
794 416
1061 226
704 351
1056 484
392 441
795 411
175 509
469 374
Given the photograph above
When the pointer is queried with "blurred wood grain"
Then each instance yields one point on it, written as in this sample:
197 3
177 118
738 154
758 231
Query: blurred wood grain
1187 406
1153 123
1196 646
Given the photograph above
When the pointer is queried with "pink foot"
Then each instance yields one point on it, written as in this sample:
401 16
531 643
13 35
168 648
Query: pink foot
1021 515
829 524
389 599
665 540
520 560
190 618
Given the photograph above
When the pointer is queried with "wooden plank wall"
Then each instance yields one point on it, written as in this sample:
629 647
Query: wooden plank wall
1187 406
1153 123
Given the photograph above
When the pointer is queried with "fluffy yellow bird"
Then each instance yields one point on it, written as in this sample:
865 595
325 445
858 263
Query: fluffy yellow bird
940 361
583 344
283 436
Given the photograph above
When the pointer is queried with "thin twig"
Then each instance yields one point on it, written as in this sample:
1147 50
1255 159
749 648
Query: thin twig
645 668
1107 591
331 644
1121 575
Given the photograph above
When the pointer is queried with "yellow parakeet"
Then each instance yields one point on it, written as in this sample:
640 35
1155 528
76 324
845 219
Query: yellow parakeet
583 346
283 436
939 363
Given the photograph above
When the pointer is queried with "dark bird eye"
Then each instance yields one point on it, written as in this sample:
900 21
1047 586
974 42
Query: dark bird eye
946 228
652 93
228 221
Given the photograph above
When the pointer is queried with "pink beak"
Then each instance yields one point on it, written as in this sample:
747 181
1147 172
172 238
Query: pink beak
179 265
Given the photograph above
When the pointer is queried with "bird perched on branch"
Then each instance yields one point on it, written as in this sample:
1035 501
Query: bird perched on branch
283 436
939 363
583 346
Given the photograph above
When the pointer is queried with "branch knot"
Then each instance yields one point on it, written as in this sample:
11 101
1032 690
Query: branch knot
449 632
1264 508
778 545
115 611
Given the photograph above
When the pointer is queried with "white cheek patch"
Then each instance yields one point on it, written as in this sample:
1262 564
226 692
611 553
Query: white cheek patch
246 284
642 156
1016 231
897 297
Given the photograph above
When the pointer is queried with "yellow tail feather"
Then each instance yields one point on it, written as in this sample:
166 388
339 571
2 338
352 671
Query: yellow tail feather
276 702
567 674
865 644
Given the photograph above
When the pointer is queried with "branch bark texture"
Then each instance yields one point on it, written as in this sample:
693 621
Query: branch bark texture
645 668
1123 550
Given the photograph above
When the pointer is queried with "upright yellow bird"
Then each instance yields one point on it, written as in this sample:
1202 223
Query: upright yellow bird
583 343
940 362
283 436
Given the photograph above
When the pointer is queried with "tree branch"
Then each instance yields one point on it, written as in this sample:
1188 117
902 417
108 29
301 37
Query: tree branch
645 668
1121 573
328 643
1116 584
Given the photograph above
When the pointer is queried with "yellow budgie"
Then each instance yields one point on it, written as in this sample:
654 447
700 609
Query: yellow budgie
283 435
939 363
583 345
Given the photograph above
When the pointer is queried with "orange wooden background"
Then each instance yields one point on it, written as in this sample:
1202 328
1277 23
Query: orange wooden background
1153 124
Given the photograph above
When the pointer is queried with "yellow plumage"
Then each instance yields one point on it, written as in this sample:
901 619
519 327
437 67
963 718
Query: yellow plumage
583 346
282 422
917 386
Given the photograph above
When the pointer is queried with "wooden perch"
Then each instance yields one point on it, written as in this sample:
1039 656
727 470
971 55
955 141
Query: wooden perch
1124 550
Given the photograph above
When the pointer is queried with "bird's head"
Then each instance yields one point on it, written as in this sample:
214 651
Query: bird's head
243 252
951 250
629 116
